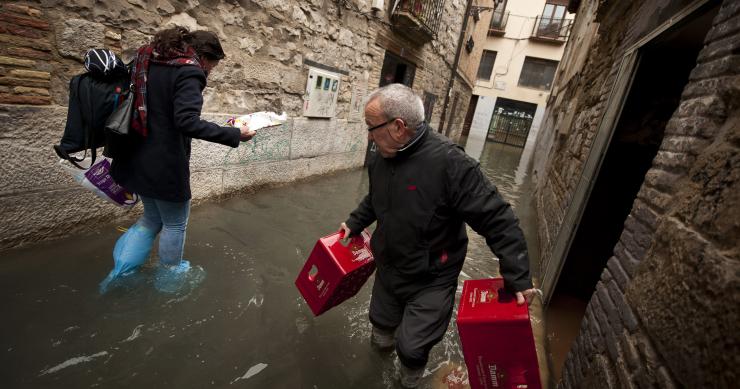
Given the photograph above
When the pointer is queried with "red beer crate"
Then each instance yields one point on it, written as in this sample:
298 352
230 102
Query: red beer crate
496 337
335 272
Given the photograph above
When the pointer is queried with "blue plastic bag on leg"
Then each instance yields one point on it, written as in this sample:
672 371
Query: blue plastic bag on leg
131 251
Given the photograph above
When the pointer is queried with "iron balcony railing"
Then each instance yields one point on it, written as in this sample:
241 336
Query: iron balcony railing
551 29
498 23
419 18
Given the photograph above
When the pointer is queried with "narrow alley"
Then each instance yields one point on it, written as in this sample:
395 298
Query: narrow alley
612 128
245 322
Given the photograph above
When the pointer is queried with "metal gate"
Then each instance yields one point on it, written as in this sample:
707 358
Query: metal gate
511 128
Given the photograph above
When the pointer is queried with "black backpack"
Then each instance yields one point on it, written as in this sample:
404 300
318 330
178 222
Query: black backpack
93 96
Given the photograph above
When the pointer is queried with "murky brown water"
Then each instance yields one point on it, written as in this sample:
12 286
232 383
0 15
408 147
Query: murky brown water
244 326
563 317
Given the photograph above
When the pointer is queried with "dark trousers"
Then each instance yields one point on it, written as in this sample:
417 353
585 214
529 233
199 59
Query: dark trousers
419 320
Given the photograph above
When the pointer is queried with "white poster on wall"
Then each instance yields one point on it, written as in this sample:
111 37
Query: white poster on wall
322 89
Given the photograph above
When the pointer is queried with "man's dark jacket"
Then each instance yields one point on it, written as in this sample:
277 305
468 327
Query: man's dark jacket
158 165
421 199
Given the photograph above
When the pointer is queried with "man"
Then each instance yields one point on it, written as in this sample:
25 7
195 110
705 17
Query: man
423 189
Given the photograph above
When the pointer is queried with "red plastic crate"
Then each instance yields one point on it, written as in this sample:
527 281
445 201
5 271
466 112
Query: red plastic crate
496 337
334 272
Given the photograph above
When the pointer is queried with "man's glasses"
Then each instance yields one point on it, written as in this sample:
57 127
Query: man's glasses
380 125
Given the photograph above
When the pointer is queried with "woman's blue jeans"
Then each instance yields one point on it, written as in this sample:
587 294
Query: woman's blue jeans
170 219
166 218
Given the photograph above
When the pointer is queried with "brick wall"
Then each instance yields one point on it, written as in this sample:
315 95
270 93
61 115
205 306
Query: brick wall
665 311
25 49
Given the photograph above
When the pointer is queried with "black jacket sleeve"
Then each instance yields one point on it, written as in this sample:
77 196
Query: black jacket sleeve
187 105
362 216
488 214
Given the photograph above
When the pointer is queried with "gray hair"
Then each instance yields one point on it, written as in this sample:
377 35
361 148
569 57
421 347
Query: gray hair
399 101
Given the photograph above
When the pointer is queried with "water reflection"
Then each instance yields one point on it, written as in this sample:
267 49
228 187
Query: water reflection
244 326
500 164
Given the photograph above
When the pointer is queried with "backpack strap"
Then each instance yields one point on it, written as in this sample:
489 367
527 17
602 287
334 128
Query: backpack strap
86 125
89 133
88 130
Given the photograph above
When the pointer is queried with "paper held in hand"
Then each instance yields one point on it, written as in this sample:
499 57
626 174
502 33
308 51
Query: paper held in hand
258 120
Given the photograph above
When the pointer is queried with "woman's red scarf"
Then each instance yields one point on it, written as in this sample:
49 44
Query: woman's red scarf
144 56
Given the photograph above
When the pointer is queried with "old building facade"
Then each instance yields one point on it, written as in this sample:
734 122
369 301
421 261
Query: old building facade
638 184
270 45
523 43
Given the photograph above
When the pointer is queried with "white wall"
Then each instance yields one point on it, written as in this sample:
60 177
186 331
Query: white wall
482 116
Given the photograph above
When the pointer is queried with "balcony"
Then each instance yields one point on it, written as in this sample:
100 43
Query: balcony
498 23
418 19
551 30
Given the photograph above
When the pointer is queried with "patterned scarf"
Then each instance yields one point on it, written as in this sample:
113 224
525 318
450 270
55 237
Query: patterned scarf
144 56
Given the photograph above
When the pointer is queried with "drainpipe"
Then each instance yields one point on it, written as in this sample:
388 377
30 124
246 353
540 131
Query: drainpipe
453 74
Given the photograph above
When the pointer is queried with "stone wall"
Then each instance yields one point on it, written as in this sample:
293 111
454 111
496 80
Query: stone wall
665 311
267 43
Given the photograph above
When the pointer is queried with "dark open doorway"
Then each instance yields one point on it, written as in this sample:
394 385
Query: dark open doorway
395 70
469 115
661 74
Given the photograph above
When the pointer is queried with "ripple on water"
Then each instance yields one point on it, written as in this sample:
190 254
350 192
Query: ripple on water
72 362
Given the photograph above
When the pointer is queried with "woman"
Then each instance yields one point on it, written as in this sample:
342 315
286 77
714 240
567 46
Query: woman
169 76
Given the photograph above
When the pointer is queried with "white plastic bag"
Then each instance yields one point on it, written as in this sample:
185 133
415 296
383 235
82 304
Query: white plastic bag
258 120
97 179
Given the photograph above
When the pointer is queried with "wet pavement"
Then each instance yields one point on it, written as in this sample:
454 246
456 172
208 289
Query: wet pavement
245 325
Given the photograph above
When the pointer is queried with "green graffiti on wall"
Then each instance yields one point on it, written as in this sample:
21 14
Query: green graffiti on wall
270 144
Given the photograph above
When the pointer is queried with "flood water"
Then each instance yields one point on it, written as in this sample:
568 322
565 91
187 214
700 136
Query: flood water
244 326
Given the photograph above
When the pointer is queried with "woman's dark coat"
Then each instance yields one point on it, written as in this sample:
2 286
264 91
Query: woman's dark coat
158 165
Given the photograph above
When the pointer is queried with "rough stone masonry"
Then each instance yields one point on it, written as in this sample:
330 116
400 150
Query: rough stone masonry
267 43
665 312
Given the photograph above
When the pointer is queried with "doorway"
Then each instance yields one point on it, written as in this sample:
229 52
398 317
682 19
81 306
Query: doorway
511 121
395 70
662 71
469 115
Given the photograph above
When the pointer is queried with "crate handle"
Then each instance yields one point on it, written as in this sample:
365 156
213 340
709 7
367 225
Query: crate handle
312 273
350 242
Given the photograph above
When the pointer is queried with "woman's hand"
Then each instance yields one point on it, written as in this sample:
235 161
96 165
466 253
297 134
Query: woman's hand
246 134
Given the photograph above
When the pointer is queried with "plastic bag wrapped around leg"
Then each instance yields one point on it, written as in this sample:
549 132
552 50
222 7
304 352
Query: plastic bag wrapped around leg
178 278
131 251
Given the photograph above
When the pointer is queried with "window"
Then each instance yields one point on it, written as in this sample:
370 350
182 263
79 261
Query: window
553 18
538 73
429 100
498 20
486 65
